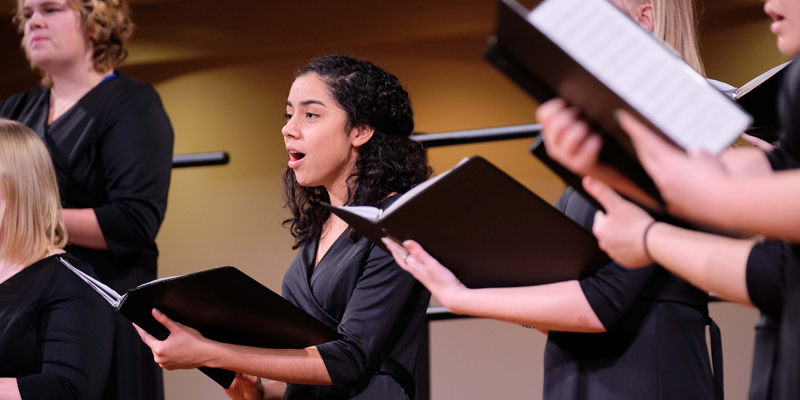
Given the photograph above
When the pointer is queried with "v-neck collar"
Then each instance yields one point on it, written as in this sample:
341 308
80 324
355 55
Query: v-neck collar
345 233
72 109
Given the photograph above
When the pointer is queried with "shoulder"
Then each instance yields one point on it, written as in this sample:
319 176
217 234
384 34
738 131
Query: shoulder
130 89
21 99
54 270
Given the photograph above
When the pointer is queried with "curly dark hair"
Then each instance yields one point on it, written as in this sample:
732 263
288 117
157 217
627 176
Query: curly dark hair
389 162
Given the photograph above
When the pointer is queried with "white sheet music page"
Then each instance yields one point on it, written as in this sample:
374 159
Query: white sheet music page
641 71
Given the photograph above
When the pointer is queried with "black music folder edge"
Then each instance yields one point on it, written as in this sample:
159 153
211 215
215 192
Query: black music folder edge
224 304
599 60
487 228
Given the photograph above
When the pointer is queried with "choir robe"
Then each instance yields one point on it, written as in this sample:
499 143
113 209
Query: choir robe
379 309
655 344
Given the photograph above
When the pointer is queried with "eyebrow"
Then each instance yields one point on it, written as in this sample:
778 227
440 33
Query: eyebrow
42 4
306 102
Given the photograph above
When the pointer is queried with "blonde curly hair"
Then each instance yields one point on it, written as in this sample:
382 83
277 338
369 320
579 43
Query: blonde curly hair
108 22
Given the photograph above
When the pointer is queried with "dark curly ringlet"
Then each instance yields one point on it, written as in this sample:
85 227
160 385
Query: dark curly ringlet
389 162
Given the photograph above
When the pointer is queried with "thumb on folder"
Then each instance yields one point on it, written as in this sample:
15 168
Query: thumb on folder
620 231
185 348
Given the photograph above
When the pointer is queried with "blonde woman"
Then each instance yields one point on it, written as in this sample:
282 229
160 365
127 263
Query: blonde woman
111 144
57 334
616 334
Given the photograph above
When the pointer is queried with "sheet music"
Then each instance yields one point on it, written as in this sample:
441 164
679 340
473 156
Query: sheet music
111 296
649 77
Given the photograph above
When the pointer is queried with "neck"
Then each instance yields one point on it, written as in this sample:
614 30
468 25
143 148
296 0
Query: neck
76 78
337 191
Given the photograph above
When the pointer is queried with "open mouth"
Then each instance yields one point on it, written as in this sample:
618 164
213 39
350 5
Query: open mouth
296 155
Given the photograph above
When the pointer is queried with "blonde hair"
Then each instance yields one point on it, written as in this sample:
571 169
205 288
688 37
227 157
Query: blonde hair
675 22
109 24
30 209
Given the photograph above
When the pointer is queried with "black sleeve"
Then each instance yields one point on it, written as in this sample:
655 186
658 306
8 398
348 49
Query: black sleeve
766 276
77 332
378 299
780 159
612 290
137 162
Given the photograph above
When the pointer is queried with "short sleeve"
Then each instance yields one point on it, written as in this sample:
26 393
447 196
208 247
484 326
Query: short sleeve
77 331
766 276
380 296
612 291
780 160
137 162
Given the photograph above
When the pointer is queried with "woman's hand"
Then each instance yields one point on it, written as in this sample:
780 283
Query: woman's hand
620 231
246 387
438 279
760 144
567 138
688 182
185 348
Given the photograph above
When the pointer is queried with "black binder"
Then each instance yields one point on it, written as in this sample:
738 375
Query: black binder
545 71
225 305
489 229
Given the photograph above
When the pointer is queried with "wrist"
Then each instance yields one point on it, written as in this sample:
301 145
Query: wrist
455 299
648 233
214 353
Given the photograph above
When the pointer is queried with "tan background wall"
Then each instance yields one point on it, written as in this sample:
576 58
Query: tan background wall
223 70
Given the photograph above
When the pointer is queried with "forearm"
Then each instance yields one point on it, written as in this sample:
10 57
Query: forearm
712 263
764 204
83 229
9 389
554 307
303 366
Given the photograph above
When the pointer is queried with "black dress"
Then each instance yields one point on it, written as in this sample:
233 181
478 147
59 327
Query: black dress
56 333
766 279
378 308
776 291
655 344
112 152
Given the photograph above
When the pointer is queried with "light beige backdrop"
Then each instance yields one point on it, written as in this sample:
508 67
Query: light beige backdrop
223 70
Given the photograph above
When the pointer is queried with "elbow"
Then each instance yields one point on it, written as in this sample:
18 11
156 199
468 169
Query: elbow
348 367
590 323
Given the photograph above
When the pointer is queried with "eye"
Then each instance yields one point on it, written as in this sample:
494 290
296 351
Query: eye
287 116
50 10
311 115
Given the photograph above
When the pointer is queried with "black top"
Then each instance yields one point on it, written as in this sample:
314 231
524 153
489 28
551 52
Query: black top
112 152
378 308
776 290
766 274
56 334
654 347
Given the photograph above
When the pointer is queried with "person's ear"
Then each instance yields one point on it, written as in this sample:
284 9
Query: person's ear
360 135
643 15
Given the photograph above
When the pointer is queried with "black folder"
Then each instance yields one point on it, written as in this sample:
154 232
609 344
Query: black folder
486 227
225 305
545 71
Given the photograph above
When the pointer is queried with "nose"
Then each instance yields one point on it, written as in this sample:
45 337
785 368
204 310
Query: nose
290 129
35 21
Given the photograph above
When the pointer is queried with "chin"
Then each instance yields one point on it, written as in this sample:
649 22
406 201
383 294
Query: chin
789 47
